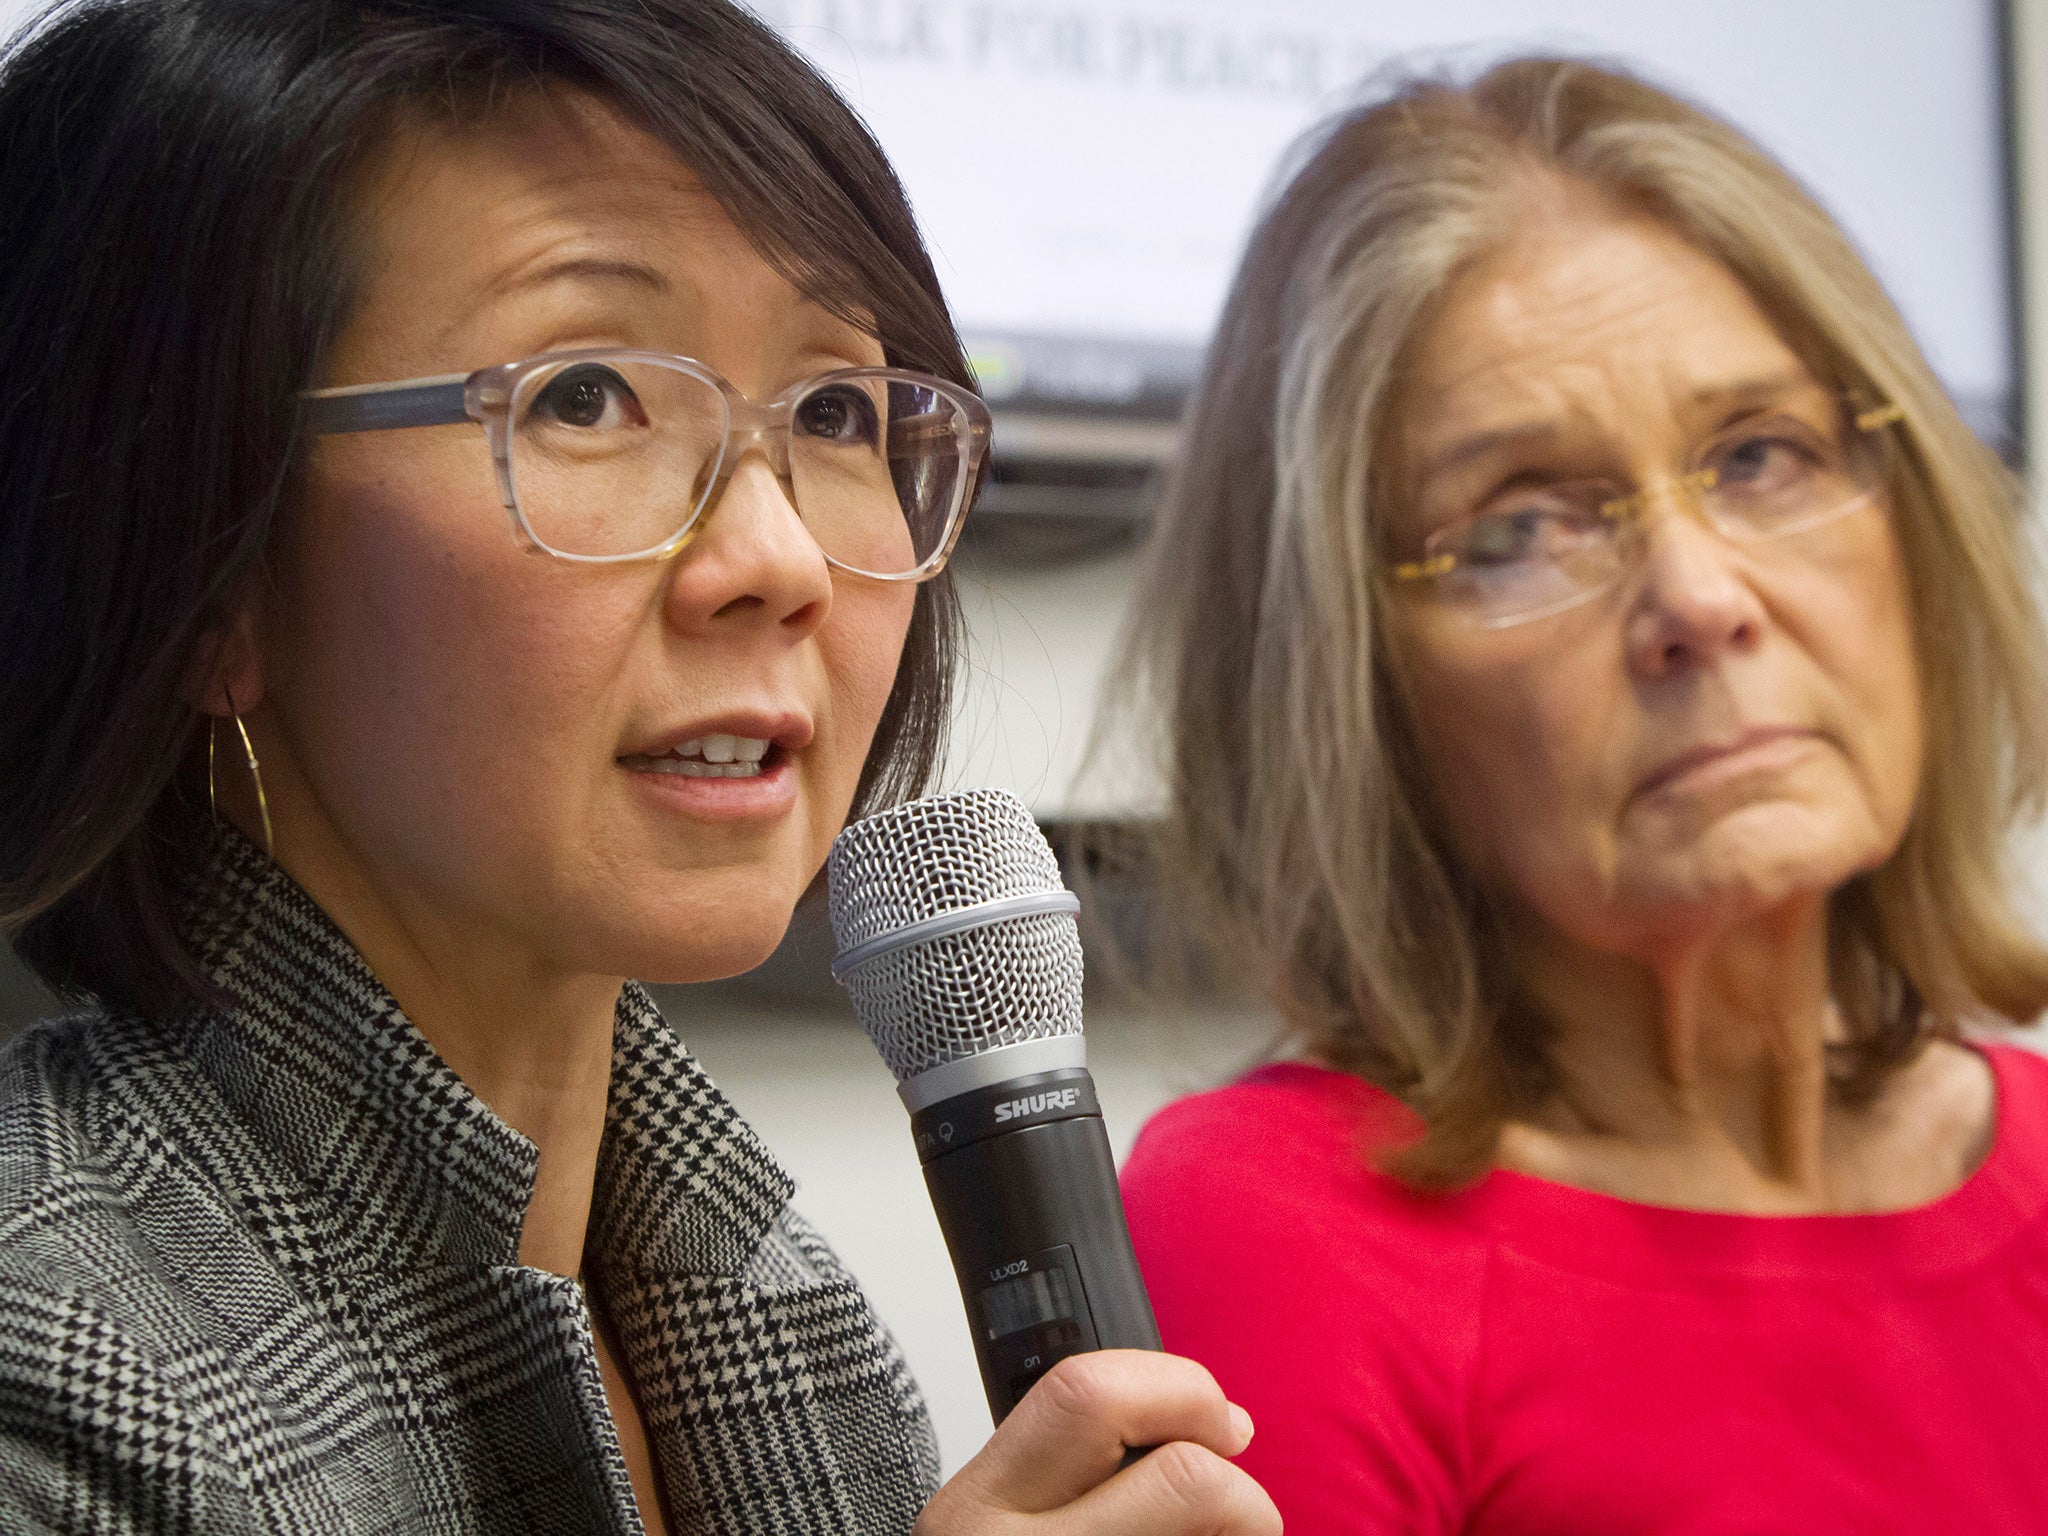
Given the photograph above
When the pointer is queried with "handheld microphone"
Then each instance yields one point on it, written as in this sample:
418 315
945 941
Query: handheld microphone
958 944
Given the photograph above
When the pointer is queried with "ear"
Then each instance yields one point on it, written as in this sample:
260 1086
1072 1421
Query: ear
229 677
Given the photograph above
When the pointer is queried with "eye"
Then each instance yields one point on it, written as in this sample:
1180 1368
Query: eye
1766 462
1499 538
839 413
1538 528
588 396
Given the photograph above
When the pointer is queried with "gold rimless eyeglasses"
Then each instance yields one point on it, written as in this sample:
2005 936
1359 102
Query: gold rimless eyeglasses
608 455
1541 549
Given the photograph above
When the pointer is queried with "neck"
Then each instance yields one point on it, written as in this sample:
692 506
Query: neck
536 1048
532 1043
1712 1047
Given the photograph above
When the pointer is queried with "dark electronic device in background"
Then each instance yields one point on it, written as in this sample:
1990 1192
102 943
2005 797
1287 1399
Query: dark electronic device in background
958 944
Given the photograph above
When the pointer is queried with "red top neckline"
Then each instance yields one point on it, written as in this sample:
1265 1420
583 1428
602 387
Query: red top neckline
1605 1236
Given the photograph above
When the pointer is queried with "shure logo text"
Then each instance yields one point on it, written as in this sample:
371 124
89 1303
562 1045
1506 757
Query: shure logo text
1037 1104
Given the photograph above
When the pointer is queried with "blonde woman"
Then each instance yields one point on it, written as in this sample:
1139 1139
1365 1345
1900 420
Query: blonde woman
1599 676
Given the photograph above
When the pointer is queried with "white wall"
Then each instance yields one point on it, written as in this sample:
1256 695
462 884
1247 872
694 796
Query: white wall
1038 654
2029 90
2030 179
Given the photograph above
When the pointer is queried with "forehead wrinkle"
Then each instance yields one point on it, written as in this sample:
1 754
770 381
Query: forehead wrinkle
1556 330
1533 341
544 177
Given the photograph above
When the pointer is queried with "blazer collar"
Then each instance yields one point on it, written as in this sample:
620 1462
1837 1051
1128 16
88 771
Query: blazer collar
317 1059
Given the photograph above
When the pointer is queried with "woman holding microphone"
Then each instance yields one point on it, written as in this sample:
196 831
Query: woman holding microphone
475 489
1600 675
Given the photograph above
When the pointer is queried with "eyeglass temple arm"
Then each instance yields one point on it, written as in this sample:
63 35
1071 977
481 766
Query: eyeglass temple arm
379 407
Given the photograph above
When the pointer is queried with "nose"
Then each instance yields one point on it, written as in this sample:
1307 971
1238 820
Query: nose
751 562
1693 605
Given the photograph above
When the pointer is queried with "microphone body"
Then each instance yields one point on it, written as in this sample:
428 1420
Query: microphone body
1029 1207
957 942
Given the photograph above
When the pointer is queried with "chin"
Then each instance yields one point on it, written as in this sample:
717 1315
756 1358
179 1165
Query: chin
731 950
669 947
1752 863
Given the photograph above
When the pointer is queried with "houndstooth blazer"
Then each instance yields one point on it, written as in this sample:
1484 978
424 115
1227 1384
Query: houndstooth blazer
259 1271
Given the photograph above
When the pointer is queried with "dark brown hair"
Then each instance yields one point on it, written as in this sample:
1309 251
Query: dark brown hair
175 263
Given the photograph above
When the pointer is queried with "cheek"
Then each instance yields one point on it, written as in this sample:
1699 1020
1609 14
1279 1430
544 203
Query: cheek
437 680
862 644
1857 628
1509 736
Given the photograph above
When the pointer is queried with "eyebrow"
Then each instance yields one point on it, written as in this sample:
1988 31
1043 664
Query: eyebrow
570 269
1736 392
592 269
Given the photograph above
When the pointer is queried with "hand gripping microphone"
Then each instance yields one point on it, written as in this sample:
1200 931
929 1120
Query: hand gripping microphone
958 944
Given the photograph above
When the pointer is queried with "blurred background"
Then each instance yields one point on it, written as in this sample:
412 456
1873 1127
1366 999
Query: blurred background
1086 171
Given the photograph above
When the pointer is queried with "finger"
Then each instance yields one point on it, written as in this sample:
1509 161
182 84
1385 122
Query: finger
1178 1490
1072 1429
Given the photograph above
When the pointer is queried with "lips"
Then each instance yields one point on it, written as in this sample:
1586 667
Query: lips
1757 741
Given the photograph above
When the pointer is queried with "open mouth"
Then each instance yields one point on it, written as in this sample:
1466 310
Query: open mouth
712 757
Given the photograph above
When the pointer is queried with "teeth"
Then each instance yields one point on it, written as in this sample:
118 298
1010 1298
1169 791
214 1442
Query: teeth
694 768
725 749
713 757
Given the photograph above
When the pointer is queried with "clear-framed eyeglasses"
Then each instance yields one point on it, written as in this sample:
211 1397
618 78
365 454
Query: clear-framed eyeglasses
1535 551
607 455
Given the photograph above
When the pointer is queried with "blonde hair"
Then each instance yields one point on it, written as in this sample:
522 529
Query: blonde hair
1294 835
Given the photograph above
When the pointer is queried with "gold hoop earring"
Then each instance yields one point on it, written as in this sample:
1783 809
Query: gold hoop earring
255 774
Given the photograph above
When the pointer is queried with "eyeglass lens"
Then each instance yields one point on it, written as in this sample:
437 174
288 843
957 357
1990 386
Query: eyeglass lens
1546 547
615 456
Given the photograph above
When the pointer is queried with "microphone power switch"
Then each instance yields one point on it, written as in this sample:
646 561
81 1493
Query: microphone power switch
1032 1314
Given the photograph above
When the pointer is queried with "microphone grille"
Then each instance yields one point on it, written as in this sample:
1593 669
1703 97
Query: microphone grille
939 999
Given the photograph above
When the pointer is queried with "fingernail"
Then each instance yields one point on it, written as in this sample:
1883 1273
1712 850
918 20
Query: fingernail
1242 1423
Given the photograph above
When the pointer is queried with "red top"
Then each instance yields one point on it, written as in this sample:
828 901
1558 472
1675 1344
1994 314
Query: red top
1526 1357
